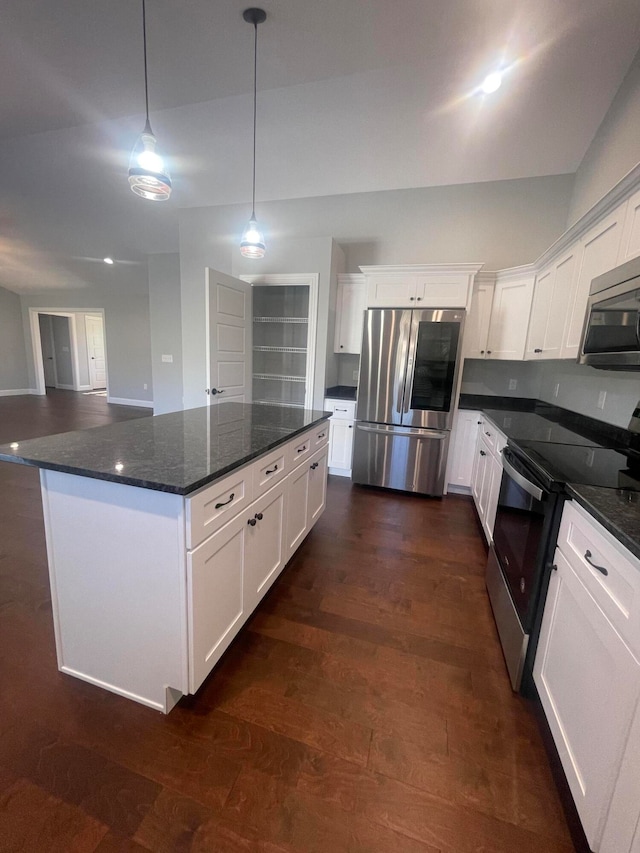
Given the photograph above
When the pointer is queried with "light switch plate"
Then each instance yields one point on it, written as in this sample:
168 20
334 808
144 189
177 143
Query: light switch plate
168 359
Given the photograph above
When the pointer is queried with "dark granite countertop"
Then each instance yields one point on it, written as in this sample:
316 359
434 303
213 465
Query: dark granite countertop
177 452
617 510
341 392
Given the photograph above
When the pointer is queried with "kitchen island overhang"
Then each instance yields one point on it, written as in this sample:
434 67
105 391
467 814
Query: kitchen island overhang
156 564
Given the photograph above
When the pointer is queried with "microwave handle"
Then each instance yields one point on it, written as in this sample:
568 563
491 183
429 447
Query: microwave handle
517 477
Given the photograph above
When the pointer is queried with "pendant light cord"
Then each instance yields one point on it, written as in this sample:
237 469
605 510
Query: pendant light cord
255 85
146 76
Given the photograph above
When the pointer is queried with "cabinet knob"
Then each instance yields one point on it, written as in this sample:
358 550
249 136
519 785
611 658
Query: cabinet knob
479 423
537 350
350 426
481 352
411 298
314 466
259 516
252 522
419 299
489 352
341 346
482 453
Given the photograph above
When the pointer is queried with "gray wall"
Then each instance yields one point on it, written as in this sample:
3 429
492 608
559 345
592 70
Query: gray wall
166 331
579 385
615 149
127 334
502 224
13 357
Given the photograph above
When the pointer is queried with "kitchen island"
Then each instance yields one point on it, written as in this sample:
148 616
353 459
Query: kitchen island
164 533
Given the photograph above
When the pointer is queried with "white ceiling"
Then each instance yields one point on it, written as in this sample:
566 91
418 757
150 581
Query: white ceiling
356 95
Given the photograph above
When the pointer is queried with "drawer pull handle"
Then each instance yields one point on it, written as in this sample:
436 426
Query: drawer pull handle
224 503
302 449
601 569
339 410
259 516
314 466
322 435
272 471
487 433
252 522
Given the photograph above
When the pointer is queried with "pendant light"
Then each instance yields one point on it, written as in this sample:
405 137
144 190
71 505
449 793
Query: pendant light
148 176
252 242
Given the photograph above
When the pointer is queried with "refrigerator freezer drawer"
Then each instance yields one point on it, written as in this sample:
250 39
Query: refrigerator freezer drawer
410 459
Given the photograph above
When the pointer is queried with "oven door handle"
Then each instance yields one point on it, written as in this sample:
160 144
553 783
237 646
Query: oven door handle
530 488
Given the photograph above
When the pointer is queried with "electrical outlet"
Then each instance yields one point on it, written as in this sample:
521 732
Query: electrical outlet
168 359
602 396
355 374
557 389
513 384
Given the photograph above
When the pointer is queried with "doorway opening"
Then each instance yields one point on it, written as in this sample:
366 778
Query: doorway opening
69 350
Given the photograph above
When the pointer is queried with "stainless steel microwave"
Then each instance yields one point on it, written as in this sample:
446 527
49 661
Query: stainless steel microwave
611 334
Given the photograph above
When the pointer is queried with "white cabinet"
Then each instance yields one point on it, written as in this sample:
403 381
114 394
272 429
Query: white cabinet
297 510
463 449
586 668
215 580
350 307
420 286
487 473
596 253
476 326
317 498
510 317
552 296
265 544
341 435
630 243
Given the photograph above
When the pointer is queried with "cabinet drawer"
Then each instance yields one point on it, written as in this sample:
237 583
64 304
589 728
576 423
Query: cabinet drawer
269 470
320 436
301 448
586 544
345 409
211 507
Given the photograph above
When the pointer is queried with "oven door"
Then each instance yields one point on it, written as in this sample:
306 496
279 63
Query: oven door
519 532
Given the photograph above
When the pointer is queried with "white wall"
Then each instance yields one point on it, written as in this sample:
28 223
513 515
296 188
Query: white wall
615 149
13 356
166 331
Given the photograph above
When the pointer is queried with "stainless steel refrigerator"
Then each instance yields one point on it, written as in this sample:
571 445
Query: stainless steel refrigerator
408 379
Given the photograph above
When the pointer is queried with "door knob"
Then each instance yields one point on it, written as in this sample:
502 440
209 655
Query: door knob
216 391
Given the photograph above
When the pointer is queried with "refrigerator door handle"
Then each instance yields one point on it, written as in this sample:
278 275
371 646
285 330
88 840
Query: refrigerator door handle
407 433
403 358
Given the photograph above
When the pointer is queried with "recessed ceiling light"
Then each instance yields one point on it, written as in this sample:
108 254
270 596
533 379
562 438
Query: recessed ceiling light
108 261
491 82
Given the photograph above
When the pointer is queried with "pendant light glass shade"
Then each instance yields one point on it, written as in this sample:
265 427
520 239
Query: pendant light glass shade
148 176
252 242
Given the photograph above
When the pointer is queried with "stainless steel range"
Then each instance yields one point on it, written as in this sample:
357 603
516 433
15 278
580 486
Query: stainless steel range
525 531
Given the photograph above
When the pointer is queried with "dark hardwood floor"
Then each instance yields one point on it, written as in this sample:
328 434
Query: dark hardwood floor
365 707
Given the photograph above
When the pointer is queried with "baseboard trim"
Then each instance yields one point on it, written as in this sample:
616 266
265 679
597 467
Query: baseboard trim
62 387
85 388
125 401
17 392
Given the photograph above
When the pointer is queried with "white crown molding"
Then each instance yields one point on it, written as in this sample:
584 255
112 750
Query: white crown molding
351 278
421 269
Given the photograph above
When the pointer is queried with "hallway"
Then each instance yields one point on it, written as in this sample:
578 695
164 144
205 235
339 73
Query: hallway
365 707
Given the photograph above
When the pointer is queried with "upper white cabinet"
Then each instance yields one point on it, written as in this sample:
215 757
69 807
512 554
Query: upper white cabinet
552 295
476 327
420 286
596 253
350 306
510 316
630 243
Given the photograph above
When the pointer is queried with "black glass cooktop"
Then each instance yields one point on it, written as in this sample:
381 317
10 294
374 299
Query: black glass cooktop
593 466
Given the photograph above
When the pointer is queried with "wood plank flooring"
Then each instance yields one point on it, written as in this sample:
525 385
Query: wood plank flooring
364 709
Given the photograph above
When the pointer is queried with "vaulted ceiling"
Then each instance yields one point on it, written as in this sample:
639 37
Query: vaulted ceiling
355 95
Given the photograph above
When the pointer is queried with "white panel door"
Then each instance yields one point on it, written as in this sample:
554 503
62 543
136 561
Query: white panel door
341 444
588 682
465 438
630 244
317 485
542 297
350 308
297 503
96 351
476 327
229 336
598 253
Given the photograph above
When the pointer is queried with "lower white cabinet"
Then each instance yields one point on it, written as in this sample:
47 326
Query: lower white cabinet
341 435
463 449
230 572
487 474
588 677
